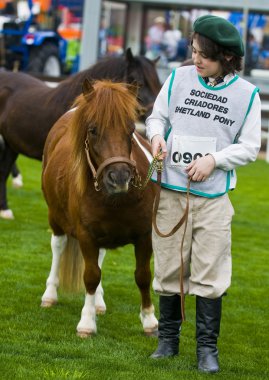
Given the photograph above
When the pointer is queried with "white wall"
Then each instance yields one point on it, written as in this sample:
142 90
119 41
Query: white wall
90 30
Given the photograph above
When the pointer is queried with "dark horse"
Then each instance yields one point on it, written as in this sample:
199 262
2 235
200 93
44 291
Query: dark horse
91 157
29 108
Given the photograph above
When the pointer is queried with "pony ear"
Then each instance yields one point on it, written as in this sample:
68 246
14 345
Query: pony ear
87 87
129 55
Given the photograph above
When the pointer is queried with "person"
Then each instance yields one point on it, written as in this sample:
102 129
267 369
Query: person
102 39
252 53
206 121
171 38
154 38
182 49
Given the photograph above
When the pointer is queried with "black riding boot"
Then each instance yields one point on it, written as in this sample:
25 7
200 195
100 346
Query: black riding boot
169 326
208 315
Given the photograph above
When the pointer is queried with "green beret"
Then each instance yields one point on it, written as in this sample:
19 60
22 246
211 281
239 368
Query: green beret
220 31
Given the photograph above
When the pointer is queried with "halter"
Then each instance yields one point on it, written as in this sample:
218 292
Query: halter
112 160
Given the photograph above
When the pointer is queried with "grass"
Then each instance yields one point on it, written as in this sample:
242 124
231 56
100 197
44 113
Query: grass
38 343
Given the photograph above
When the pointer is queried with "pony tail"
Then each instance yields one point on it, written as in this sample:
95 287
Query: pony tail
72 267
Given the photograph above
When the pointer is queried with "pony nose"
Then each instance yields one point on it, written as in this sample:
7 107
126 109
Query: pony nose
117 179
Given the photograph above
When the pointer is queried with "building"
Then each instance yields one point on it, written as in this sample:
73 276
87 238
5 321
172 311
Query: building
124 23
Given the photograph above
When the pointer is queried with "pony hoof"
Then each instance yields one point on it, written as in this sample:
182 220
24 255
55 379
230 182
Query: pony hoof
17 181
6 214
48 303
151 332
85 334
100 310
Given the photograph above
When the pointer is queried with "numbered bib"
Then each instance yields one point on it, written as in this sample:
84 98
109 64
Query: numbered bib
188 148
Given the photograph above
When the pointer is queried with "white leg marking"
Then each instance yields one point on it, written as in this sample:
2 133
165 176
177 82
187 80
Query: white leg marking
100 305
50 296
17 181
87 323
6 214
148 320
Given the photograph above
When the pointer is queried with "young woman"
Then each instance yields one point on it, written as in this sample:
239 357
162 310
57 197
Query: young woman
206 121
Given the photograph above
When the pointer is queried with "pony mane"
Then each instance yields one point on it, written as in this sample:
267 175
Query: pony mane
108 105
112 68
116 69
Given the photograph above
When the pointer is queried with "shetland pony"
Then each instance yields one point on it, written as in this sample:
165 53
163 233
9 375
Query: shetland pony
91 158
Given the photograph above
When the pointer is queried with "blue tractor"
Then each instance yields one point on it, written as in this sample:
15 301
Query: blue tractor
24 46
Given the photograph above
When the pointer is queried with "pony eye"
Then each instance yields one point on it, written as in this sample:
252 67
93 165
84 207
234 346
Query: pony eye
92 131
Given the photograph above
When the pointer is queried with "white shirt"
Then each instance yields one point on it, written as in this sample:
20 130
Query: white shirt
239 154
155 34
171 39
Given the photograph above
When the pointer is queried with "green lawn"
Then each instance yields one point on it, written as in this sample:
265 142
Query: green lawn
38 343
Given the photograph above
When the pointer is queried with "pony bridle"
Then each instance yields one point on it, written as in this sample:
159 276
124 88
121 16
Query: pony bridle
112 160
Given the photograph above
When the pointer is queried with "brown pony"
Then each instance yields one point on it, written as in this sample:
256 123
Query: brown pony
29 108
91 157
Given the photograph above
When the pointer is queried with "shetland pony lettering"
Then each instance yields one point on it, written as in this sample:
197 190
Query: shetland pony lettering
29 108
90 160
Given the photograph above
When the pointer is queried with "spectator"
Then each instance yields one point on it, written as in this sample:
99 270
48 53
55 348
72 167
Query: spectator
171 38
182 49
154 38
102 39
252 53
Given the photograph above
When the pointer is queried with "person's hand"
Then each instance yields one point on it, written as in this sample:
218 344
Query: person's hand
158 145
201 168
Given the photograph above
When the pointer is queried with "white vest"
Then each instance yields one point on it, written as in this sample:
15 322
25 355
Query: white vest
203 119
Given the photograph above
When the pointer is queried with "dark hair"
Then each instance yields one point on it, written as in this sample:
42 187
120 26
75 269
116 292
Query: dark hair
216 52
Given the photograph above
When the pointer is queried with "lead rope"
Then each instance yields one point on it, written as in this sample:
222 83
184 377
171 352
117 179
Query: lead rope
184 220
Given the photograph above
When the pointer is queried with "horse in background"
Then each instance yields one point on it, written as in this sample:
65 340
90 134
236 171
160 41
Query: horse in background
17 180
91 157
29 107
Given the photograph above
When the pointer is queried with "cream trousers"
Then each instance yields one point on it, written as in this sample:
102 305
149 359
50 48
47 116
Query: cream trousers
206 249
